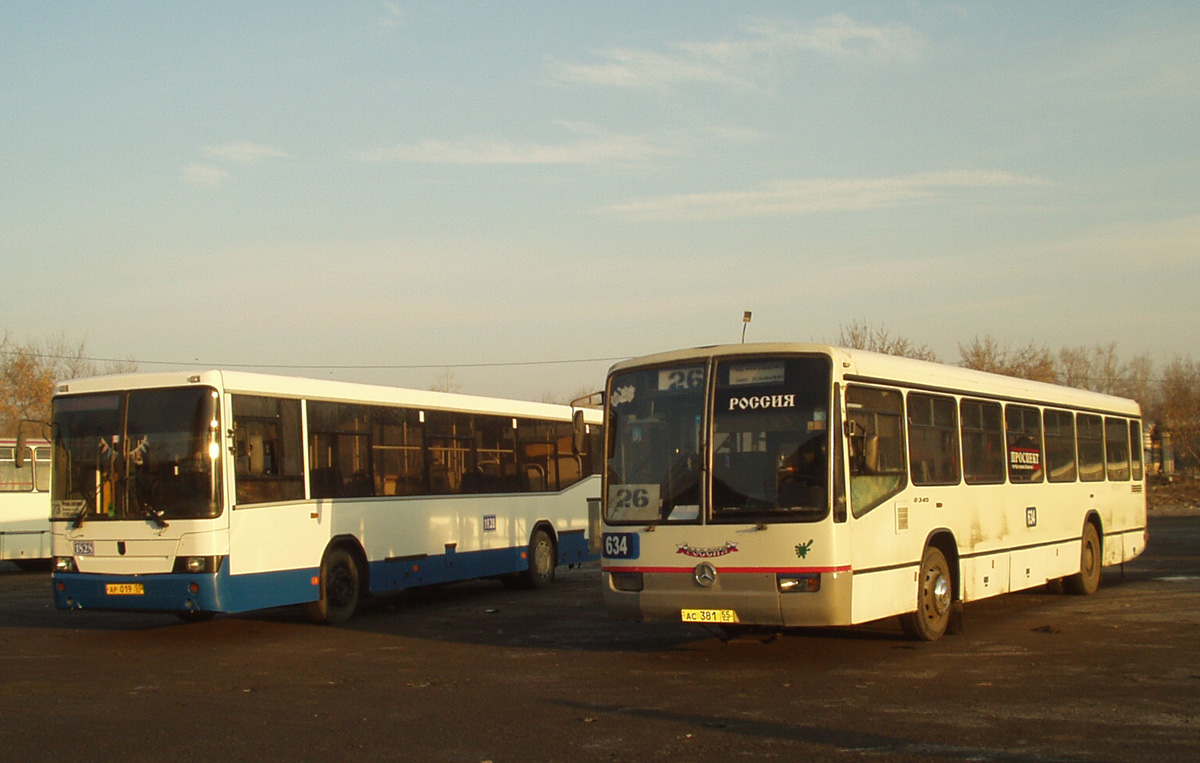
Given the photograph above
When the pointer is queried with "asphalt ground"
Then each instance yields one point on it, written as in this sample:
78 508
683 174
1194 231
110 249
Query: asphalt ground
474 672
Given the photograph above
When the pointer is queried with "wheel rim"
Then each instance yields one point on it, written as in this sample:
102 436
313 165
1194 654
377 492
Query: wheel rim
542 559
1089 556
936 595
339 588
941 595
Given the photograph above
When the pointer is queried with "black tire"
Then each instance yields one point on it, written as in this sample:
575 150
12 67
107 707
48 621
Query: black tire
935 596
1087 580
542 560
340 582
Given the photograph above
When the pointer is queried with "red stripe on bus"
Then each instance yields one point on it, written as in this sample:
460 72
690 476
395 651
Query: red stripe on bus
736 570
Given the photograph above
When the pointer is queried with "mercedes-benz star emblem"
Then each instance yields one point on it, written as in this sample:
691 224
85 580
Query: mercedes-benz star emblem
705 575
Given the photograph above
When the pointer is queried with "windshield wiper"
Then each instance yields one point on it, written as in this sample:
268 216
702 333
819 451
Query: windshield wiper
155 516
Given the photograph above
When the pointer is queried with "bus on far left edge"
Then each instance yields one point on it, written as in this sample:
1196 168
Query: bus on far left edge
223 492
25 502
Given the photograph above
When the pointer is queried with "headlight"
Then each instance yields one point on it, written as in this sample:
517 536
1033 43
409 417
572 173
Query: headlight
800 583
197 565
64 564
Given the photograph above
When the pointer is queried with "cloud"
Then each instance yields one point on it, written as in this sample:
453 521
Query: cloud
646 69
840 37
1166 246
203 175
813 195
211 176
593 148
764 46
1129 66
392 16
244 153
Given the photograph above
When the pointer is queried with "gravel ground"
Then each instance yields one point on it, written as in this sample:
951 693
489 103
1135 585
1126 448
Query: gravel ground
1177 499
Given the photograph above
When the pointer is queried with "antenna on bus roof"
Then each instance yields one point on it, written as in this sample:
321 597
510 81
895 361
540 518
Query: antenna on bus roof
745 323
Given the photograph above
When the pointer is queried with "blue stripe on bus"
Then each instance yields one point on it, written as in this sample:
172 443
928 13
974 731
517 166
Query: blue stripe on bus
223 592
170 592
409 572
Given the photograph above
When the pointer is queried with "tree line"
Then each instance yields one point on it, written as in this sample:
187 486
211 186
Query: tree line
1169 397
28 372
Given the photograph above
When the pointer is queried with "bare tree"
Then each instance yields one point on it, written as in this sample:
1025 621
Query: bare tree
859 335
27 385
1075 367
1181 405
446 382
1028 362
1099 369
28 373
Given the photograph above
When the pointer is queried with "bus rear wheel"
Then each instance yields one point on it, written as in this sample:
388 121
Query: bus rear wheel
935 595
339 588
1087 580
542 561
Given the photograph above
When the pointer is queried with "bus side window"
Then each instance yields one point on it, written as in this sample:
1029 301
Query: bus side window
982 441
1060 445
41 470
933 440
1116 449
1089 434
13 479
269 464
875 434
1135 444
1023 428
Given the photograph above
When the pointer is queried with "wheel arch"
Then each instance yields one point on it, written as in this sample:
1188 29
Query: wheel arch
353 546
1093 518
546 526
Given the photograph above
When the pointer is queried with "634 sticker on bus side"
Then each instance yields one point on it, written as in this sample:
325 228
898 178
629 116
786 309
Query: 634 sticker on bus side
621 546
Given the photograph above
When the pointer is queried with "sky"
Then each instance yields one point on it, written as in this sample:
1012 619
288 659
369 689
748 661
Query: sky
510 196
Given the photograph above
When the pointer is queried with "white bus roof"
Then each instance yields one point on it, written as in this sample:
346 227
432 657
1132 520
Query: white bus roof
861 365
324 389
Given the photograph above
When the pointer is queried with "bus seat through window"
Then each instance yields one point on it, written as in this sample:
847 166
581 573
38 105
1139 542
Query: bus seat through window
871 454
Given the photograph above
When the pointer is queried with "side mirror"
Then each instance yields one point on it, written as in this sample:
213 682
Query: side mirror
19 455
580 431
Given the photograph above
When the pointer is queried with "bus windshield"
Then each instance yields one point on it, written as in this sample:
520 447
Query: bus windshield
143 454
654 459
769 442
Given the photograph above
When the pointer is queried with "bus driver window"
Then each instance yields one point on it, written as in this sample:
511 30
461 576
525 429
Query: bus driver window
874 428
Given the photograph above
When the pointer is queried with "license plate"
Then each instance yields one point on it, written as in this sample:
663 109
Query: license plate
709 615
124 589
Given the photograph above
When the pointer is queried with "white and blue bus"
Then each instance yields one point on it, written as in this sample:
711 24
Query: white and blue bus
198 493
785 485
25 502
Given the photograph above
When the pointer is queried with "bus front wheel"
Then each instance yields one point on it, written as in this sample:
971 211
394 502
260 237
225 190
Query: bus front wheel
339 588
935 594
1087 580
